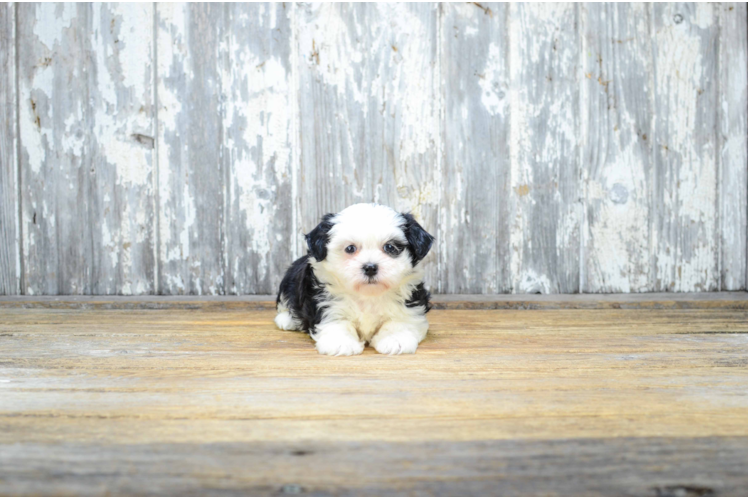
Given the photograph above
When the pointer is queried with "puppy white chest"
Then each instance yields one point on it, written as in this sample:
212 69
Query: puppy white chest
368 316
361 281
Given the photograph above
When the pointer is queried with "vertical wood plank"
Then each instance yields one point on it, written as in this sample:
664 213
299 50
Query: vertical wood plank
733 130
474 215
10 272
369 111
257 156
190 169
686 218
122 209
654 200
86 147
617 106
55 177
544 136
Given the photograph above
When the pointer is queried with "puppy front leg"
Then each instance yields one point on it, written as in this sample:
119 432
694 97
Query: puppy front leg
338 338
400 337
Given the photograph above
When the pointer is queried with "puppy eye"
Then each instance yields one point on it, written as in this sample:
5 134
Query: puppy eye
391 249
350 249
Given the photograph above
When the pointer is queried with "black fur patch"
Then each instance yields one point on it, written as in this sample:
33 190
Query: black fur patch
399 247
419 241
419 297
319 237
301 291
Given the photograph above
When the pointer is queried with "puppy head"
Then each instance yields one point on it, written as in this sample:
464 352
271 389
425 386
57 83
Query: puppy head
367 248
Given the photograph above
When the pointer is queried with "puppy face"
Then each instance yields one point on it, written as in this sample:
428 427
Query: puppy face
368 249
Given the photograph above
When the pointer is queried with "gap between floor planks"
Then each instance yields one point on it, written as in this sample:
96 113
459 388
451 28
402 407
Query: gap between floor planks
707 300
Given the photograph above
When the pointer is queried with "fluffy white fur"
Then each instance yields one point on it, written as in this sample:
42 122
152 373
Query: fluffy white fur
357 309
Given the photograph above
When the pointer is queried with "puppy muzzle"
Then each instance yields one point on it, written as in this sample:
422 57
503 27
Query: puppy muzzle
370 269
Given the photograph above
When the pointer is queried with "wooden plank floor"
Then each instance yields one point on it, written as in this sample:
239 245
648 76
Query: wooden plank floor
495 402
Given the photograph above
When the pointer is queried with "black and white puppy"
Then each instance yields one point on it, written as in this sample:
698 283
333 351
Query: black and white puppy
361 281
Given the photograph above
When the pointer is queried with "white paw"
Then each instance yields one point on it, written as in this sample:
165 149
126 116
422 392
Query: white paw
395 343
285 321
339 344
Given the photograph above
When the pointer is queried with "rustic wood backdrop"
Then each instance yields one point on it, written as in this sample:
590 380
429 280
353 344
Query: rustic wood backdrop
185 149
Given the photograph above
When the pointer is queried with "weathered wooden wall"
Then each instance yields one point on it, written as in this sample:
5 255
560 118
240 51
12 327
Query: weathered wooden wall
186 148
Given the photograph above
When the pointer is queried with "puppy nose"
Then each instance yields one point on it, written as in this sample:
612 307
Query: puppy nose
370 269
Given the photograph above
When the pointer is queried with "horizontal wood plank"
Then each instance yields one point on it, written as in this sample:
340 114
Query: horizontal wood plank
615 467
707 300
118 358
497 402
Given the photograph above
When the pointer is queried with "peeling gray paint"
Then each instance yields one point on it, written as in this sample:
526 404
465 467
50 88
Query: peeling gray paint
544 148
10 266
85 87
474 248
617 110
257 150
368 110
686 215
550 148
733 143
191 173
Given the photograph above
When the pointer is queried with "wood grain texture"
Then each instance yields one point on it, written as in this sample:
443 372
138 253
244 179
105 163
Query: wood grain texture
704 300
617 101
86 135
191 176
186 149
474 220
257 130
368 111
502 374
686 215
733 132
10 265
55 179
544 148
569 401
577 467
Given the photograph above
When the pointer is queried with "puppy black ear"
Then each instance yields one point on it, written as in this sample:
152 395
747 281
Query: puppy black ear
318 238
419 241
